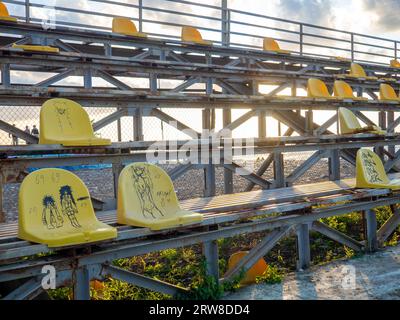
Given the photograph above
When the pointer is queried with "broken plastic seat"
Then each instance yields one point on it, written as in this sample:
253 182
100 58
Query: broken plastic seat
343 59
55 209
387 93
349 124
270 44
317 89
65 122
358 72
395 63
192 35
126 27
257 270
146 198
4 15
36 48
343 90
371 172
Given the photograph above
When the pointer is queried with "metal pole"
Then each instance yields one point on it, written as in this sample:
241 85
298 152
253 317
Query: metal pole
140 15
352 47
27 11
301 38
225 23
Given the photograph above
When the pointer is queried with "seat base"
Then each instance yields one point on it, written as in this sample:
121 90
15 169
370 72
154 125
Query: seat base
8 19
279 51
96 231
35 48
393 185
84 142
181 218
134 34
201 43
349 76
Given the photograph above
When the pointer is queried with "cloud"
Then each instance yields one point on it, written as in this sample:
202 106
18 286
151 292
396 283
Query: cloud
312 11
386 13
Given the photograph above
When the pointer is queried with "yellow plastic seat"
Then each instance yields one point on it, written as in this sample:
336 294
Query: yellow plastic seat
255 271
55 209
317 89
36 48
395 63
192 35
343 90
4 15
371 172
349 124
357 71
270 44
146 198
65 122
387 93
126 27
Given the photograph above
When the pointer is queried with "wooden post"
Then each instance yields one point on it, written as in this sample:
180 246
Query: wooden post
228 174
371 231
334 165
210 251
303 247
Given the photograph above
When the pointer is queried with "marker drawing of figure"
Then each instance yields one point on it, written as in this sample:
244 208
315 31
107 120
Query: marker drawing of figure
68 205
51 217
144 190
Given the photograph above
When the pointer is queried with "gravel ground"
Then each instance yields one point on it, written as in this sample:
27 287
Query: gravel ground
190 185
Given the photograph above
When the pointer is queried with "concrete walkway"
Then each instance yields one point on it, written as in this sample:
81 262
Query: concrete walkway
370 277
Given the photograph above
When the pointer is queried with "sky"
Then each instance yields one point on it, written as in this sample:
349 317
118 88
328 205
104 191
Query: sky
379 17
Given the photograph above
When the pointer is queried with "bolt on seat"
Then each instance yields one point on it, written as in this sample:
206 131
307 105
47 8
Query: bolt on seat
387 93
270 44
343 90
146 198
317 89
65 122
349 124
126 27
371 172
4 15
55 209
192 35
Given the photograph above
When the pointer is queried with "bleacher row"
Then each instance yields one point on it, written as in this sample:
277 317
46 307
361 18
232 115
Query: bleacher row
189 35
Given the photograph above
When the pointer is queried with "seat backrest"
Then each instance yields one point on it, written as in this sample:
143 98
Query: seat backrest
357 70
191 34
271 44
343 90
317 89
145 193
370 169
123 25
62 119
53 201
4 10
348 121
386 92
